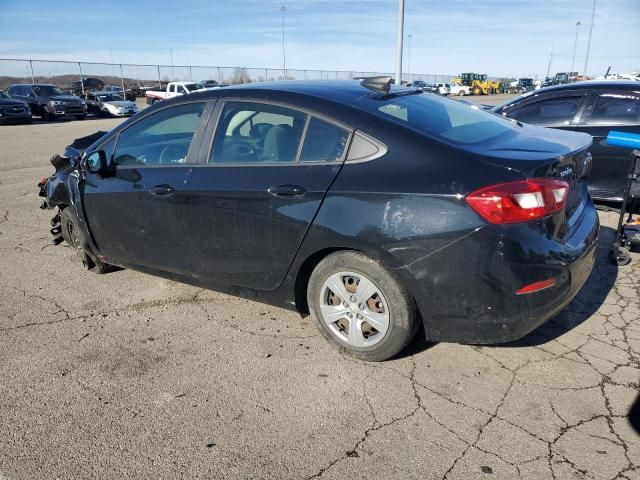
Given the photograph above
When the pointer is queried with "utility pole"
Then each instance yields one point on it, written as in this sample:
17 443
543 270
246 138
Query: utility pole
575 44
409 60
173 77
586 58
550 58
284 55
399 42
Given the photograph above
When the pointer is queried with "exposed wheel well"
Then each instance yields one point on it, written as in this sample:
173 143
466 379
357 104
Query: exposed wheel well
304 273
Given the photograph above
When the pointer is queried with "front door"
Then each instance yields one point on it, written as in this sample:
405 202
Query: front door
260 183
134 213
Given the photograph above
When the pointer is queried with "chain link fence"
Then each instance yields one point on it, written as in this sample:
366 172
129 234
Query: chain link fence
81 76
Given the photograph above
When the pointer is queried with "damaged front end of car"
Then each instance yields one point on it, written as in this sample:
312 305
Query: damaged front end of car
59 190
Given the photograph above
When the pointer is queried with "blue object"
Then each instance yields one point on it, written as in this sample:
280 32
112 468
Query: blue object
623 139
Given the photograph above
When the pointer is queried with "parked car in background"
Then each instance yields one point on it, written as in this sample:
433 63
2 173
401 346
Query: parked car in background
126 95
593 107
48 102
13 110
520 86
208 84
108 103
418 84
459 89
174 89
441 88
377 207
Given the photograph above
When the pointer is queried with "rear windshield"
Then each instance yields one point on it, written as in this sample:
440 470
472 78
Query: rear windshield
453 121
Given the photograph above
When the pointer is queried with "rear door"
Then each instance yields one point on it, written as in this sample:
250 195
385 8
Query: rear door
263 173
134 214
610 110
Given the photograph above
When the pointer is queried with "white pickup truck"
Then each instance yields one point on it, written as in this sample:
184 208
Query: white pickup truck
174 89
458 89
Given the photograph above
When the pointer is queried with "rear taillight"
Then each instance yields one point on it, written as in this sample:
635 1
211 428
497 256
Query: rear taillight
519 201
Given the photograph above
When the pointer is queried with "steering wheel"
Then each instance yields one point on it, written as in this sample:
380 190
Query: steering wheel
239 151
173 154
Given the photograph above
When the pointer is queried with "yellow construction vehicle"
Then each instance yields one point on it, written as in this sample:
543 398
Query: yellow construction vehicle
479 83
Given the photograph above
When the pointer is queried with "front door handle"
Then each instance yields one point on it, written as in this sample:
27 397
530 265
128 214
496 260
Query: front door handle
162 190
287 191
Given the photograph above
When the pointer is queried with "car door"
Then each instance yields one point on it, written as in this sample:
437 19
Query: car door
133 210
610 110
264 172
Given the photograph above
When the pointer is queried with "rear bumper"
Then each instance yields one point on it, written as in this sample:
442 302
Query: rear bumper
466 291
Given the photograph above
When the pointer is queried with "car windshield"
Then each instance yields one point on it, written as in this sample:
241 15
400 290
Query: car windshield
46 90
110 98
448 120
4 95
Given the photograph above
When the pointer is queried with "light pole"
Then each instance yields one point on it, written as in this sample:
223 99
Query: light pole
550 59
586 58
173 77
284 54
575 44
409 60
399 42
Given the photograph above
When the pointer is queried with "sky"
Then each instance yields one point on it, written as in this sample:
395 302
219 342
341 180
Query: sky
497 37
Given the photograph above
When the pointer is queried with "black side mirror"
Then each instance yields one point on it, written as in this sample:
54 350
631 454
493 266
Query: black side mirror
96 162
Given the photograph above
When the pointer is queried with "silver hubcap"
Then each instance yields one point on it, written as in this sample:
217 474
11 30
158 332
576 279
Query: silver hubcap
354 309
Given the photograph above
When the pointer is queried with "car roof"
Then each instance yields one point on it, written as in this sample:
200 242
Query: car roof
594 84
340 91
34 84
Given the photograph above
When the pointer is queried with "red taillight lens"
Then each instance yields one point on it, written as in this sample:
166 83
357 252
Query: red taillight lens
537 286
519 201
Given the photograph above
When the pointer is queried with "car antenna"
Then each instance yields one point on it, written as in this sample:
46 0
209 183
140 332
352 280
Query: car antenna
380 84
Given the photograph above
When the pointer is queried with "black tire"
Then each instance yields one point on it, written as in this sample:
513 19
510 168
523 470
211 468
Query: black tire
72 234
80 117
46 116
403 322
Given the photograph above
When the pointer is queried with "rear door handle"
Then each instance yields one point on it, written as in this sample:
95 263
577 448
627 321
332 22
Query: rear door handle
287 191
162 190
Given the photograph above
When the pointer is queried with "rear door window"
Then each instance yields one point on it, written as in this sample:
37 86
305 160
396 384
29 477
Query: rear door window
616 109
257 133
324 142
553 111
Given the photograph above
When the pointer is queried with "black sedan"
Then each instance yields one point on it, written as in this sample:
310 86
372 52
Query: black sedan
373 207
593 107
13 111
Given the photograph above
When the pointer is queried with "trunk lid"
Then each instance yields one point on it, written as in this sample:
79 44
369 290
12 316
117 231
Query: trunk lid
538 152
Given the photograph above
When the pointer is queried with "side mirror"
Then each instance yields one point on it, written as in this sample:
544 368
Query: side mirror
96 162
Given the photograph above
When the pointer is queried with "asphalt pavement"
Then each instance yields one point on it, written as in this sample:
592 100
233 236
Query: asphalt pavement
125 375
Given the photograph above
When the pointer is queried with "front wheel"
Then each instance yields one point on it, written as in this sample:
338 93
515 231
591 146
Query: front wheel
461 93
362 309
73 235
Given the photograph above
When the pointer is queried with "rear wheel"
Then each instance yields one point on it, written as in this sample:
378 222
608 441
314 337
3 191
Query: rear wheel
360 307
461 93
